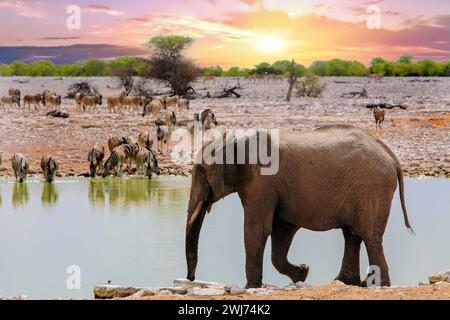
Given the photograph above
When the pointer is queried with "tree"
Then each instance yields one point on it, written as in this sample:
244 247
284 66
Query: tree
406 58
170 66
264 68
295 71
169 46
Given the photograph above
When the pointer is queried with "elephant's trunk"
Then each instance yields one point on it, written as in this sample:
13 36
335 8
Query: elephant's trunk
193 227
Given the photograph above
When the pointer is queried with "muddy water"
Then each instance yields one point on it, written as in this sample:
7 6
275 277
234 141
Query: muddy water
131 231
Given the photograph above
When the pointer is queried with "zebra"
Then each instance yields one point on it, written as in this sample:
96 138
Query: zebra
115 142
20 167
207 118
130 151
146 162
114 163
49 168
163 137
95 158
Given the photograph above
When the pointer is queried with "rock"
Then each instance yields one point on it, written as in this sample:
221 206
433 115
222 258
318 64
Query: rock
338 283
301 285
18 297
259 291
112 291
164 292
145 292
443 276
187 284
234 290
174 290
205 292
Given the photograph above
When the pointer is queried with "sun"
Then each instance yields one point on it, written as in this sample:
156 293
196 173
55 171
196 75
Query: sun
271 43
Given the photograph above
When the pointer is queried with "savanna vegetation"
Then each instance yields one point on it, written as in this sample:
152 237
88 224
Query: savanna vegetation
170 48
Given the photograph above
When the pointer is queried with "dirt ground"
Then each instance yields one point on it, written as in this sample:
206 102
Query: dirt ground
419 135
440 291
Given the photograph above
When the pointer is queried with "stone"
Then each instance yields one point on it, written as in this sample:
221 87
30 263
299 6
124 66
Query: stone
164 292
203 292
259 291
145 292
338 283
174 290
443 276
300 285
234 290
114 291
187 284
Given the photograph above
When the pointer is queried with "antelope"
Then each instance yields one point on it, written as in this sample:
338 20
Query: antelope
91 102
378 114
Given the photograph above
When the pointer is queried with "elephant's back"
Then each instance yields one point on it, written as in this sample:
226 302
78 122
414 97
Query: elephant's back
338 147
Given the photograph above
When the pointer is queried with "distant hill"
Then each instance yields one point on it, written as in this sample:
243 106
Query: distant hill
66 54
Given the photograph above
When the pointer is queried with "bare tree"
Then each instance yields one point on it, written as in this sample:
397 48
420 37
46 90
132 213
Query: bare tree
125 75
292 79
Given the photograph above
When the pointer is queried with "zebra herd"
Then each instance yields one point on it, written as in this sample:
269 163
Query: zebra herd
128 150
21 166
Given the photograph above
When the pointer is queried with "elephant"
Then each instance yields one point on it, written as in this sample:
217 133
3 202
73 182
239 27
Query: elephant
332 177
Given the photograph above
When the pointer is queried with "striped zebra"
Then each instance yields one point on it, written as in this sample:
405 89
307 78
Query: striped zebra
20 167
115 142
95 158
146 162
130 151
114 163
207 118
49 168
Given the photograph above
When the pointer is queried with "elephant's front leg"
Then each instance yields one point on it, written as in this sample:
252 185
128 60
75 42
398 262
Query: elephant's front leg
256 232
282 235
255 242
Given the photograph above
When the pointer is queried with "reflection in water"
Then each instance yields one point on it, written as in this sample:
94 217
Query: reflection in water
123 193
49 194
126 192
20 194
97 192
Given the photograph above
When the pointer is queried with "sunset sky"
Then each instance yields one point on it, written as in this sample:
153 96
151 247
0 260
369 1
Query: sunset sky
240 32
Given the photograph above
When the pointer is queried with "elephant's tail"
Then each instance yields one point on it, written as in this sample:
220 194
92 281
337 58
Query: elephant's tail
401 187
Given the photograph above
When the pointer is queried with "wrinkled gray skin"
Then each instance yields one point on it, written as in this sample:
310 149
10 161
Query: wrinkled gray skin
335 177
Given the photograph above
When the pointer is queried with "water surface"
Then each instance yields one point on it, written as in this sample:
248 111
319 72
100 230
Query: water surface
131 231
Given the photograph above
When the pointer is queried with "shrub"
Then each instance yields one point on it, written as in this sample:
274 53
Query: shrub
310 86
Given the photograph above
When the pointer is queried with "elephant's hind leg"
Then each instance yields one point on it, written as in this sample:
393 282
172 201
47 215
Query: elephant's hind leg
349 273
282 235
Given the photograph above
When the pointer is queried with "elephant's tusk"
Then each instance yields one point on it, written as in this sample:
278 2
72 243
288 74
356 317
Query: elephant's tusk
197 211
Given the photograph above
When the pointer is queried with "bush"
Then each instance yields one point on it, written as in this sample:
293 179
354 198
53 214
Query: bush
310 86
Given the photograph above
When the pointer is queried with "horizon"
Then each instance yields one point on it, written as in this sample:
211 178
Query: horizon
306 31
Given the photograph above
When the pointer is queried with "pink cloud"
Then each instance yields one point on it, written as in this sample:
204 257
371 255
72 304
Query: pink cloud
103 9
23 8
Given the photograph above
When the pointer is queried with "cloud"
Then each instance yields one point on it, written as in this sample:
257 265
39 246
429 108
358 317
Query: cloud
59 38
95 8
24 8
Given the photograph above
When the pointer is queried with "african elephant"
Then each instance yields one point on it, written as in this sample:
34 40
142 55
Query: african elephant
334 177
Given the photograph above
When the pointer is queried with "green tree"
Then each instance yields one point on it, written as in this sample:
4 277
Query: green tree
169 46
170 66
406 58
